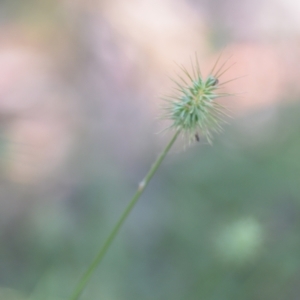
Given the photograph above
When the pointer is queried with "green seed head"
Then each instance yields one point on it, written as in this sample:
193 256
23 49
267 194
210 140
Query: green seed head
194 109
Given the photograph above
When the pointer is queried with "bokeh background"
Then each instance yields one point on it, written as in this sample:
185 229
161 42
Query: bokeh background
80 86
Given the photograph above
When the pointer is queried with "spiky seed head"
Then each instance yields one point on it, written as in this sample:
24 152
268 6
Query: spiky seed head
194 109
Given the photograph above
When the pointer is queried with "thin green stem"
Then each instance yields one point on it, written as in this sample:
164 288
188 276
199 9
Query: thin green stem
91 269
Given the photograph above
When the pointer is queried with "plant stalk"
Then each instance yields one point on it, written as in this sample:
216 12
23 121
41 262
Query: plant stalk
91 269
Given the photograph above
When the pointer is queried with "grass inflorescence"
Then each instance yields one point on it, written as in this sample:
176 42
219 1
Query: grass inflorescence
194 108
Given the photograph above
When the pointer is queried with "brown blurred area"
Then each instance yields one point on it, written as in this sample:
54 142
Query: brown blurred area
55 54
80 82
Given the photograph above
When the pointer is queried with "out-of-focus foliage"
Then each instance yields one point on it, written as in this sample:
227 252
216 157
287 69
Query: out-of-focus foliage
217 222
78 106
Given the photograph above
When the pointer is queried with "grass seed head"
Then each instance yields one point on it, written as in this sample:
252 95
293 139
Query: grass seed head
194 109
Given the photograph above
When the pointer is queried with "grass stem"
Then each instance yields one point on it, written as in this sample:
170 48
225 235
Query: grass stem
95 263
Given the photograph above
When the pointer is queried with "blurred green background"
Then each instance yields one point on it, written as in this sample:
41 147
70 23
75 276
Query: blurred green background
79 99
